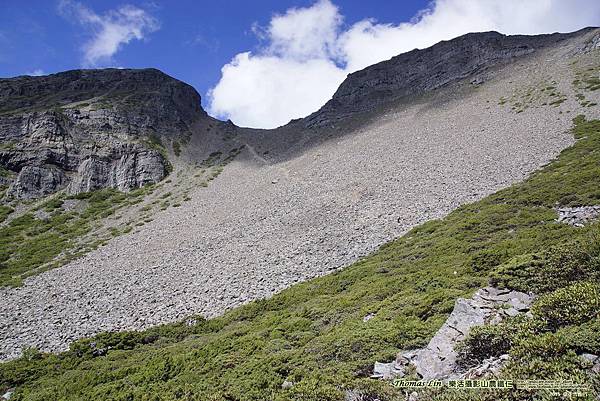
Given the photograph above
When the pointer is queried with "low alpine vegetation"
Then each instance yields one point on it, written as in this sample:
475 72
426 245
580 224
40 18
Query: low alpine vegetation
313 337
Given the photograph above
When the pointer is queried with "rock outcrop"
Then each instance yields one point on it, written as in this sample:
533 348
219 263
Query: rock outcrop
578 216
90 129
438 360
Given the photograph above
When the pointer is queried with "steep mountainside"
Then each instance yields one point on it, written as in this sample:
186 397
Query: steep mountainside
90 129
472 56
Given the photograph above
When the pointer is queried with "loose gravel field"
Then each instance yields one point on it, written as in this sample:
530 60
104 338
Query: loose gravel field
260 227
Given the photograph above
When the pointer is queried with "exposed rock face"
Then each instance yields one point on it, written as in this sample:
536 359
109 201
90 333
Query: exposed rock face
438 359
35 182
132 169
91 129
594 362
419 71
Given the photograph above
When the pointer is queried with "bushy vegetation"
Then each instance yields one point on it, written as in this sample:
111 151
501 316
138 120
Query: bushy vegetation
314 336
154 142
29 244
546 345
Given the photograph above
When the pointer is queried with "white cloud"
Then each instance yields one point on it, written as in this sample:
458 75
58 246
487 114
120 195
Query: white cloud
36 73
308 51
110 31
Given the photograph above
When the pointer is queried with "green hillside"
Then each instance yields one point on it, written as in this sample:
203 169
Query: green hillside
313 334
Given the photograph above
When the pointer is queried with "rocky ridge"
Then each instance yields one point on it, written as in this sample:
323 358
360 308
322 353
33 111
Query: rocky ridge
474 55
438 360
90 129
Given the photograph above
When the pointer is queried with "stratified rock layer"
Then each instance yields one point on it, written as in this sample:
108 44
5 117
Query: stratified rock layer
91 129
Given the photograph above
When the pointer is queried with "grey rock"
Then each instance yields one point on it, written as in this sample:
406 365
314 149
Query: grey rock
594 360
488 367
368 317
387 371
591 45
420 71
438 359
41 214
37 181
287 385
134 169
91 129
578 216
8 394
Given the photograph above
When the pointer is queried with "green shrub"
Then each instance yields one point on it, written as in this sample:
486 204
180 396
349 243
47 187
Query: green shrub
552 269
583 338
176 148
5 211
485 342
575 304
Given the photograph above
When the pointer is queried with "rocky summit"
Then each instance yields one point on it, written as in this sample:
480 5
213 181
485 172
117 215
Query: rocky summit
436 219
85 130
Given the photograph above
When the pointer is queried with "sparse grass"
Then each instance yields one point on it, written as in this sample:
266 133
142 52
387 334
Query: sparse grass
313 334
5 211
29 245
540 93
587 80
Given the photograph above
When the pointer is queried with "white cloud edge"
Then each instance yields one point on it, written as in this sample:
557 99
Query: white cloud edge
109 31
307 52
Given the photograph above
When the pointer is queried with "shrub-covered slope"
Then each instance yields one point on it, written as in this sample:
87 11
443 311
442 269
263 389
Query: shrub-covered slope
313 334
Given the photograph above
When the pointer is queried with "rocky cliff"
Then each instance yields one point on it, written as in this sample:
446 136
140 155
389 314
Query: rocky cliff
90 129
472 56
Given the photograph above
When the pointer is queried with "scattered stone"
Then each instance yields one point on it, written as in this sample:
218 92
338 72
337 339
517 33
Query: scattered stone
287 385
594 360
488 368
368 317
41 214
420 71
578 216
244 236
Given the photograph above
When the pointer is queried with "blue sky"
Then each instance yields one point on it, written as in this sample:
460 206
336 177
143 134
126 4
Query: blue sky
260 62
195 38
